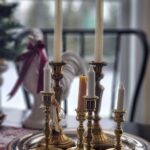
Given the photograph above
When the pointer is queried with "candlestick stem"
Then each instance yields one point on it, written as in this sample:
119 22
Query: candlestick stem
90 106
47 127
100 139
57 76
119 118
81 116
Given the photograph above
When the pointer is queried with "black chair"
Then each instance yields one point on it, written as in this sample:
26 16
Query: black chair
118 33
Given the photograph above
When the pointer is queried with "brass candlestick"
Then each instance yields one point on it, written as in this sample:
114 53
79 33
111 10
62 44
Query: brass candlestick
81 117
100 139
44 144
59 139
46 98
90 107
119 118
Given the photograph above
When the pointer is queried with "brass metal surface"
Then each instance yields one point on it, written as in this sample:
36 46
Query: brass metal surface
81 117
100 139
46 99
57 75
90 107
119 118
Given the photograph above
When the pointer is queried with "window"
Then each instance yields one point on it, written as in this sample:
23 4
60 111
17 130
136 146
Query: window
77 14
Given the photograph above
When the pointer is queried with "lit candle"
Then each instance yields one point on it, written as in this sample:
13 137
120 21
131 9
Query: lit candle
82 92
99 31
120 98
47 78
91 82
57 50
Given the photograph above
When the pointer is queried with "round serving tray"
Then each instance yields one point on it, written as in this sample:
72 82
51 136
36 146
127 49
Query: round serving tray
29 141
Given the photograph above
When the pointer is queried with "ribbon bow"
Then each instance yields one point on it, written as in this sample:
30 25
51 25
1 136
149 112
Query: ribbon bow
28 57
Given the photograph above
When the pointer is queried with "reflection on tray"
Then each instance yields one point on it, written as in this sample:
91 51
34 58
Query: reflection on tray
29 141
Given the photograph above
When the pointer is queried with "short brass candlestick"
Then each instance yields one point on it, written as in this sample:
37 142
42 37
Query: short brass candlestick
90 107
46 98
81 117
44 143
59 139
119 118
100 139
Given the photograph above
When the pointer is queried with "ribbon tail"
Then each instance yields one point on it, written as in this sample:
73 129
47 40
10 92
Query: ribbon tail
21 77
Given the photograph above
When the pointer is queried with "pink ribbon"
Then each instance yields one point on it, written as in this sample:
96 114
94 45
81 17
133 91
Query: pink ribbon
28 57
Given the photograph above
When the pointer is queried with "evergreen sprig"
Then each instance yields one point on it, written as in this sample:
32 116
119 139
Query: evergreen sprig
8 49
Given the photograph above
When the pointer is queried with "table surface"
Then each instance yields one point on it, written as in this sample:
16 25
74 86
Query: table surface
12 126
15 117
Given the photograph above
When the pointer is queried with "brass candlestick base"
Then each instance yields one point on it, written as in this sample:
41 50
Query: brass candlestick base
81 116
100 139
119 118
90 106
59 139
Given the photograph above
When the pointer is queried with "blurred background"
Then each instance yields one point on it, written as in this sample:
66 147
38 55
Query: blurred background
129 16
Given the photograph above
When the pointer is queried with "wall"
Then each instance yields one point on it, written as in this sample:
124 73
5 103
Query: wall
140 19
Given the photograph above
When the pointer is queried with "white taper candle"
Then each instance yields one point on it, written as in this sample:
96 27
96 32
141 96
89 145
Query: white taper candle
57 50
91 82
120 103
47 78
99 31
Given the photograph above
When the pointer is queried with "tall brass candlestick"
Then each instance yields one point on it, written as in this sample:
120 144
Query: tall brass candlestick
119 118
59 139
100 139
90 107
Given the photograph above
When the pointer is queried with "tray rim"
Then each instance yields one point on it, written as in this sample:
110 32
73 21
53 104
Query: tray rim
72 132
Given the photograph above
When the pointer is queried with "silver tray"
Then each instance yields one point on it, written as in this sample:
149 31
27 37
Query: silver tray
130 142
